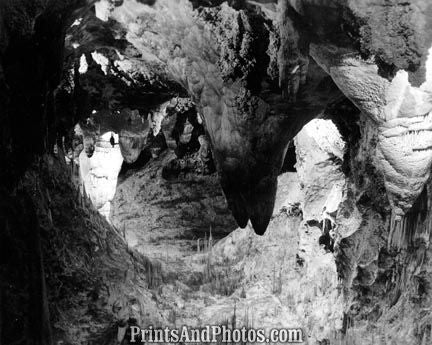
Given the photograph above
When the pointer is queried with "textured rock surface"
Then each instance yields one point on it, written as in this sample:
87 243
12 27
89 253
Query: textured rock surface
225 72
283 279
99 173
255 62
401 112
375 265
319 150
170 203
100 152
88 291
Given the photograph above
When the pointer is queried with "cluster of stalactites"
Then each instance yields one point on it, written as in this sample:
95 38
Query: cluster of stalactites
412 229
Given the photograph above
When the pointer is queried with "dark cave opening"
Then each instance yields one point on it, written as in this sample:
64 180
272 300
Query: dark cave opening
289 160
143 158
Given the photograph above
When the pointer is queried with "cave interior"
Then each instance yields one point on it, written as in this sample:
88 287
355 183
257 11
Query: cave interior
247 163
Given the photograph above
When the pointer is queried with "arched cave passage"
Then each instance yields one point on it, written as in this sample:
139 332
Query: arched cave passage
268 168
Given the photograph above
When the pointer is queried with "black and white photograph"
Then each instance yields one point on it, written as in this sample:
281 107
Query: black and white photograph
215 172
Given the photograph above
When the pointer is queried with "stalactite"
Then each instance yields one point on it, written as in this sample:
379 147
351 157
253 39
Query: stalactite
293 53
416 224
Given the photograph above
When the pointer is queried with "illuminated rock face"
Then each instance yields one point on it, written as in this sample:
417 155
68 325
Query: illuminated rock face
318 146
402 114
131 147
100 171
245 69
131 131
282 279
248 119
250 74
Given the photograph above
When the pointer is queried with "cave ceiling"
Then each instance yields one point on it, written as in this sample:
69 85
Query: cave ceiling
257 72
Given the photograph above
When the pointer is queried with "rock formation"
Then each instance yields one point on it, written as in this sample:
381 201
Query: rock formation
258 62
